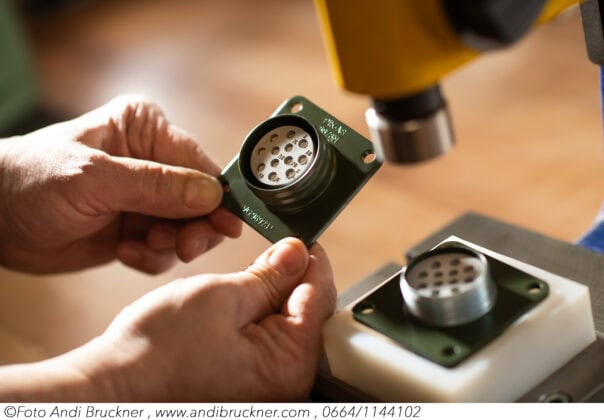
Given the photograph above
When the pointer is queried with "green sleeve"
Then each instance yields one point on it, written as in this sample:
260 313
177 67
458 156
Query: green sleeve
18 89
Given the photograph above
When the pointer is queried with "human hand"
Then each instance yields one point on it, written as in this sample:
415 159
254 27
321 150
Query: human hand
248 336
118 182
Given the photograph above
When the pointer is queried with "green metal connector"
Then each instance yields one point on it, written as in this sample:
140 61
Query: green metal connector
384 311
319 195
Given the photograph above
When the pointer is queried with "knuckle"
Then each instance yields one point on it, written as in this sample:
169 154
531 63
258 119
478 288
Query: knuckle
132 100
155 180
134 107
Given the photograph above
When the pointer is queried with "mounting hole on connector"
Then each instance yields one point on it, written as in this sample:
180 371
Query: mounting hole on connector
366 308
368 156
450 350
556 397
534 288
295 107
226 187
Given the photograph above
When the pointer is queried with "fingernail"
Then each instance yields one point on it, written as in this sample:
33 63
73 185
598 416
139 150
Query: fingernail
203 193
129 255
287 258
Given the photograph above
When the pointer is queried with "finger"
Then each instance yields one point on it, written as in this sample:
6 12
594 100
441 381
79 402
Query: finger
134 225
267 283
196 238
225 222
162 236
144 132
299 325
295 334
314 300
179 148
215 241
188 240
155 189
137 255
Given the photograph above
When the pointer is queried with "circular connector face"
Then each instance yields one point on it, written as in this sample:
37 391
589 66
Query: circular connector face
448 286
282 156
286 163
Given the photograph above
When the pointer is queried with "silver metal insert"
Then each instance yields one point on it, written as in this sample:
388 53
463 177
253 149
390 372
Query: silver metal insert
282 156
286 163
410 141
448 286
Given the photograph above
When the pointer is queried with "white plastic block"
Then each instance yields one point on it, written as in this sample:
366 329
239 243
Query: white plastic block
531 349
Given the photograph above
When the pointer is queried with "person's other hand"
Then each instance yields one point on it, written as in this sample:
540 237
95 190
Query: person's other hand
253 335
118 182
248 336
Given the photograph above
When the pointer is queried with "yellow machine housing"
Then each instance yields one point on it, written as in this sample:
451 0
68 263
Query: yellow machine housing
392 48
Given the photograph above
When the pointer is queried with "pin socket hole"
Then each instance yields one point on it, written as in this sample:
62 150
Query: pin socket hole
368 156
296 107
226 187
450 350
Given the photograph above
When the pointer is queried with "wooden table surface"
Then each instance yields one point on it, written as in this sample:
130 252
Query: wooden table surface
527 121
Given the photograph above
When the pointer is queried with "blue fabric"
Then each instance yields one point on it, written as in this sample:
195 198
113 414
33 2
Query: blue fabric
594 239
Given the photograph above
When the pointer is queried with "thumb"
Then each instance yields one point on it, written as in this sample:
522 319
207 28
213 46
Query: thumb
160 190
269 281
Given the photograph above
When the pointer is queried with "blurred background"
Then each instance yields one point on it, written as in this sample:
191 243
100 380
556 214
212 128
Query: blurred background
527 121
